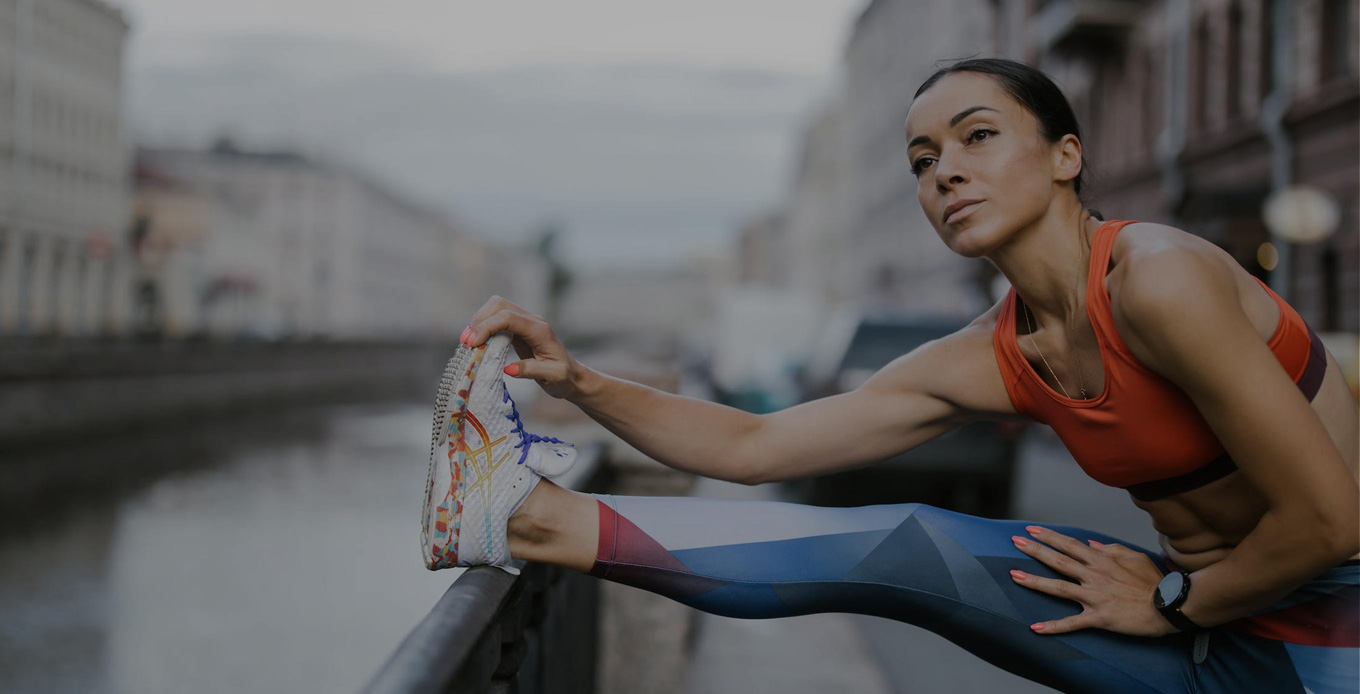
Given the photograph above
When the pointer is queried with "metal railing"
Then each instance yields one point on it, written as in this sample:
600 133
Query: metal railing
493 632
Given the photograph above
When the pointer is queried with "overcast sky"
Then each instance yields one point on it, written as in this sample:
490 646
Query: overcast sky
646 129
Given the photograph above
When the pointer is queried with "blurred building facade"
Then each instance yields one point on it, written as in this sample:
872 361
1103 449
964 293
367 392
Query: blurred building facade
898 260
816 212
764 256
850 230
63 168
276 244
1195 111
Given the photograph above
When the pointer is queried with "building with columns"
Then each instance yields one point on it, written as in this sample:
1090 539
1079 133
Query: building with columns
64 193
280 245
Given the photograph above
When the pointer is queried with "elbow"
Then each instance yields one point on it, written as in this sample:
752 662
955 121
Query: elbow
1334 537
753 473
1344 536
1343 525
753 462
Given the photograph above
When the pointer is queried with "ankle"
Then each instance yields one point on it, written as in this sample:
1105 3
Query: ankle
536 521
555 526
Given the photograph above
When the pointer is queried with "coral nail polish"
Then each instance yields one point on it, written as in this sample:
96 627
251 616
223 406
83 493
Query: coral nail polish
512 370
463 338
1033 529
1037 627
1019 541
1096 544
1018 575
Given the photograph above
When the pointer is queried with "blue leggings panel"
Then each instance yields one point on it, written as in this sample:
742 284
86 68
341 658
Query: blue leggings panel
947 572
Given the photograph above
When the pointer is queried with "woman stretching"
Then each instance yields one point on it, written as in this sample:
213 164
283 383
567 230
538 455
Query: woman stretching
1165 368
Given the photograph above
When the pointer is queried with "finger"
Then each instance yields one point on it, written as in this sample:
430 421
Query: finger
1082 620
492 305
1053 586
510 321
1120 550
1052 558
537 369
1070 546
1101 557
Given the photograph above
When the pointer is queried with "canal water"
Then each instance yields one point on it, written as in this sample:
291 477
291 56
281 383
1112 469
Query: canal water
278 553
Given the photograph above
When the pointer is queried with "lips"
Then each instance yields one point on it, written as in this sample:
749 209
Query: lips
957 206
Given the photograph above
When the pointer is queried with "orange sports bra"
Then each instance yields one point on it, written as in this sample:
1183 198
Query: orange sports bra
1142 433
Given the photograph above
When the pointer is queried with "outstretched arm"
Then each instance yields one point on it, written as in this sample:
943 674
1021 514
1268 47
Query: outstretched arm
913 399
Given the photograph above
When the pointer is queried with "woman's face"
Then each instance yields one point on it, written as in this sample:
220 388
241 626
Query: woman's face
969 140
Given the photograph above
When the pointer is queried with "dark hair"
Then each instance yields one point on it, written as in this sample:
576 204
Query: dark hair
1032 89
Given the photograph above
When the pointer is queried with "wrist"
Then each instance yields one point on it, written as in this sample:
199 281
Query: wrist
1165 627
1168 597
585 382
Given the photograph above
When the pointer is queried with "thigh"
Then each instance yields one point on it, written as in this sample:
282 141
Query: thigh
1309 641
992 615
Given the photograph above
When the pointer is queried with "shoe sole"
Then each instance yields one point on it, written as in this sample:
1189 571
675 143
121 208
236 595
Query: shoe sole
440 531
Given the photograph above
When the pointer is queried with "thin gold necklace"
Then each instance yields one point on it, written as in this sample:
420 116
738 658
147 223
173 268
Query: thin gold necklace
1081 378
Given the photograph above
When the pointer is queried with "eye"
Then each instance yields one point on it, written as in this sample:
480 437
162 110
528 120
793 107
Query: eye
978 131
917 167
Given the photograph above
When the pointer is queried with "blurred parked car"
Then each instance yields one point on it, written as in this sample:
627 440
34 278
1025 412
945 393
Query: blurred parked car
970 469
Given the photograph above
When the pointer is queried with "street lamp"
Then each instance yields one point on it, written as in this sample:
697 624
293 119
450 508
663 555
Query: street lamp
1297 214
1301 214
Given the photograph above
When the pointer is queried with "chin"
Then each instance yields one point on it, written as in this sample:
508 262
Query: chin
971 241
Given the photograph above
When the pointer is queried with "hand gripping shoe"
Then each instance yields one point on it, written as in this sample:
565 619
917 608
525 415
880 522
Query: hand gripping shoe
482 463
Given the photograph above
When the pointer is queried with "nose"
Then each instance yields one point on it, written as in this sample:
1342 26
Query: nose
949 172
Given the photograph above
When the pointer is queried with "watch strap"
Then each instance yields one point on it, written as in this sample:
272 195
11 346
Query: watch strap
1178 619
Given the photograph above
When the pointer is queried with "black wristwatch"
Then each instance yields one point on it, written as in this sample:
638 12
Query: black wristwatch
1170 595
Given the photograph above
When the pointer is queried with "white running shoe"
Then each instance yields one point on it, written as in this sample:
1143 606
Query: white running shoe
482 463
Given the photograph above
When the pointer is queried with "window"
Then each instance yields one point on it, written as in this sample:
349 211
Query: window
1234 81
1331 300
1336 35
1151 101
1201 83
1267 38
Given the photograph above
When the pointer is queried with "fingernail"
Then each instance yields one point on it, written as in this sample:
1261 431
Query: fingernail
1018 575
463 337
1037 627
512 370
1019 541
1096 544
1033 529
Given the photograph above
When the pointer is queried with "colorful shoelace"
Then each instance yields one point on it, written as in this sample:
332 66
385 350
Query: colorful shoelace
525 438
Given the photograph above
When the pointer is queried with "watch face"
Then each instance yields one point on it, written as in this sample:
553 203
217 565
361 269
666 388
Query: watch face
1170 588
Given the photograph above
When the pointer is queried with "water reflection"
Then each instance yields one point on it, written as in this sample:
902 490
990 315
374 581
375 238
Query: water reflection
285 558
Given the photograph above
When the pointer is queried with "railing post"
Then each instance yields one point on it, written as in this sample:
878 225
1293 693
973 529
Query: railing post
644 637
492 632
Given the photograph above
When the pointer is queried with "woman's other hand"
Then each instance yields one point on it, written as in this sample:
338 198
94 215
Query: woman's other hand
1114 584
542 356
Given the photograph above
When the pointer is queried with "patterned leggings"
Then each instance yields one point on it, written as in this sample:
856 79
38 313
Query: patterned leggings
948 572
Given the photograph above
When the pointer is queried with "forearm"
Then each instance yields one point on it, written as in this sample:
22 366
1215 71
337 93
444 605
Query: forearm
1278 556
681 432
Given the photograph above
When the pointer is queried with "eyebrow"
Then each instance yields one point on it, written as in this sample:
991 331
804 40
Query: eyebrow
922 139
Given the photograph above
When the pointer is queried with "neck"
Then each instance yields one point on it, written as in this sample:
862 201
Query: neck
1047 261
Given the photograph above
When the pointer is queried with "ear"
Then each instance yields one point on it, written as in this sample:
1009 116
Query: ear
1066 158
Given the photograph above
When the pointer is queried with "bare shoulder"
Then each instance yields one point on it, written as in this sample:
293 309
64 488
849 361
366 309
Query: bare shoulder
1156 268
1142 239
